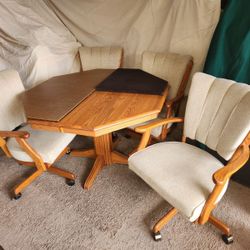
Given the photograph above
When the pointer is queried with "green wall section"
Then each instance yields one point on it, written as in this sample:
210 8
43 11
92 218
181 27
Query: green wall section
229 52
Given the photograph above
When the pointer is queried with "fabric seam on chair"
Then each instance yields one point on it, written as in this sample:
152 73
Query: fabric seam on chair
216 114
235 107
192 213
203 109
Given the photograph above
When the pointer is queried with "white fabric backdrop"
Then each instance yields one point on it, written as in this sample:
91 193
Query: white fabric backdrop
35 42
181 26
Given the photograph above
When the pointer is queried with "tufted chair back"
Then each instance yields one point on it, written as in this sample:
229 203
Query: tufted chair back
168 66
218 113
11 108
100 57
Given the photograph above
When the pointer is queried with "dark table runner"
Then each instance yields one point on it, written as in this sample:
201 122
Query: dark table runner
133 81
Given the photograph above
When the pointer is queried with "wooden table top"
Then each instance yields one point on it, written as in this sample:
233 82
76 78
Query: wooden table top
105 112
56 97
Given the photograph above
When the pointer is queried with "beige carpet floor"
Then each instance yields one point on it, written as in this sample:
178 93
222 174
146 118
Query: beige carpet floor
116 213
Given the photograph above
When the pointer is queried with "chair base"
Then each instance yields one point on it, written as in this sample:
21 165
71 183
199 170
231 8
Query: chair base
162 222
70 182
157 236
228 239
70 178
226 236
17 196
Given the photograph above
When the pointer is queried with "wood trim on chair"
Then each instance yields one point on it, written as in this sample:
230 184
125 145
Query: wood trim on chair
15 134
32 153
38 162
4 147
164 220
221 176
183 85
174 104
219 224
146 129
12 134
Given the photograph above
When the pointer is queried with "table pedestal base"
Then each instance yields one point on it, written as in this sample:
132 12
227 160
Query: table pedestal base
104 157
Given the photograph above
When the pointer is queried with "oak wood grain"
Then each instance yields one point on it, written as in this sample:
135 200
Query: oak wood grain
164 220
105 112
14 134
56 97
99 115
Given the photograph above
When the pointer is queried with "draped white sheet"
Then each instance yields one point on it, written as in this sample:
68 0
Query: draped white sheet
180 26
35 42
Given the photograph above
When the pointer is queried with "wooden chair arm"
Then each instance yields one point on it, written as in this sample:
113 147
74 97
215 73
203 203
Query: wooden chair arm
148 127
32 153
222 175
14 134
238 160
21 137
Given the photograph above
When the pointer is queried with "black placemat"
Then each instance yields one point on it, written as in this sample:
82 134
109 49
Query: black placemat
133 81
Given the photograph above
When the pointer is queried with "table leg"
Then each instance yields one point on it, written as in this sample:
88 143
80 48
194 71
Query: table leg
104 156
98 165
103 147
119 158
89 153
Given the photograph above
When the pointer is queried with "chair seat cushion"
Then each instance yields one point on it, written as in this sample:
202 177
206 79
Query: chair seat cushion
47 144
180 173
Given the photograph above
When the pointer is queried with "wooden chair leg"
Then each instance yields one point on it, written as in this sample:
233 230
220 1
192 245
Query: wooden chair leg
227 237
88 153
98 165
61 172
26 182
219 224
164 220
65 151
151 141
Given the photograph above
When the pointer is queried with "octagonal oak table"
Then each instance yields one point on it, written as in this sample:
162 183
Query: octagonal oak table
98 115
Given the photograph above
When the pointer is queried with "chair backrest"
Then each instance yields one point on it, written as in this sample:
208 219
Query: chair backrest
168 66
218 113
11 108
100 57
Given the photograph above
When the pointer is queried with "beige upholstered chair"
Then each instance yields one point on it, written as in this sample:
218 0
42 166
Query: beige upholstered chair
100 57
29 147
174 68
192 180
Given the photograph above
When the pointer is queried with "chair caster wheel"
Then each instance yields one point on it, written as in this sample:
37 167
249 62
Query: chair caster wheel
68 151
228 239
70 182
17 196
157 236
